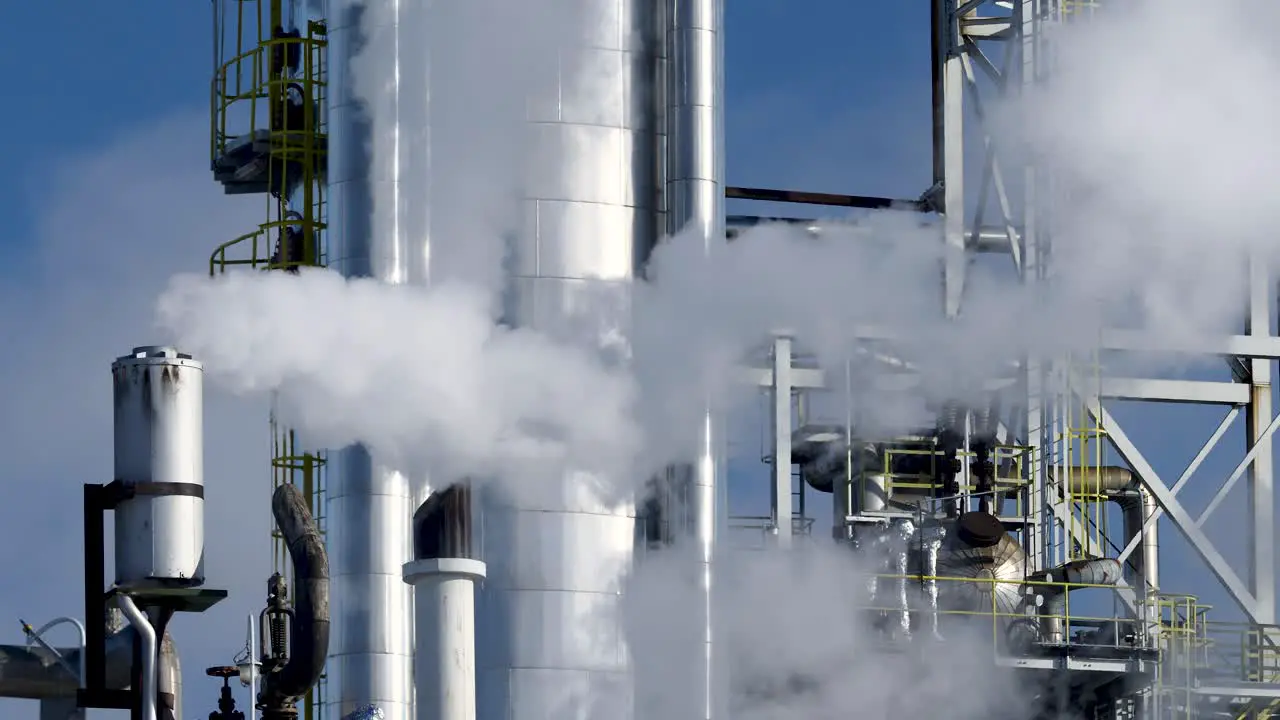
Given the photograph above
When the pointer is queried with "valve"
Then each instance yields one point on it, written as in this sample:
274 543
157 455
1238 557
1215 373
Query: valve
226 703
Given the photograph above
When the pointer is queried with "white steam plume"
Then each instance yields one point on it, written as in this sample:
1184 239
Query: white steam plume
422 376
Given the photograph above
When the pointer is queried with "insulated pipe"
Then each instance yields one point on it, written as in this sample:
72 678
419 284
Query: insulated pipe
1102 571
1120 486
932 541
148 635
903 531
309 629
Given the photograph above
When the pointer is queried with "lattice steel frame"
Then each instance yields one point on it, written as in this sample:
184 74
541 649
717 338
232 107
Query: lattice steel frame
964 35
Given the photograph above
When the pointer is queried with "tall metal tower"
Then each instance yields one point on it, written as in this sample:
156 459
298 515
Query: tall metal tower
268 138
1058 435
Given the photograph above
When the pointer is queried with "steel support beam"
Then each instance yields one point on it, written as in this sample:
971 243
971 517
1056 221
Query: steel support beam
1260 428
1182 520
781 392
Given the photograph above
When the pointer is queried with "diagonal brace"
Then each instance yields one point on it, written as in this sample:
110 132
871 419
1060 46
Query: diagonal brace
1181 518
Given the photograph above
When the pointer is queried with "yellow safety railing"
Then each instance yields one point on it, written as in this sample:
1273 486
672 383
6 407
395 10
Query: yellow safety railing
1079 7
985 609
268 136
265 248
1011 461
247 96
1180 622
1076 476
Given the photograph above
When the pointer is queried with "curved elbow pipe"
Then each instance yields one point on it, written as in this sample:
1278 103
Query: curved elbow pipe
1103 571
1120 486
143 626
309 631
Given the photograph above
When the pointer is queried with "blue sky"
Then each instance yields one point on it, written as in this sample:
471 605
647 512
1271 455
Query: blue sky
103 100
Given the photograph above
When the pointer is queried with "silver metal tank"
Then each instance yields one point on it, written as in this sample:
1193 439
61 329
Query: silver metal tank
550 641
159 417
596 193
377 227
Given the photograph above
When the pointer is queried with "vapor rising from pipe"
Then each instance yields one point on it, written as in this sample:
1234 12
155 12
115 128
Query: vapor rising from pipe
1168 157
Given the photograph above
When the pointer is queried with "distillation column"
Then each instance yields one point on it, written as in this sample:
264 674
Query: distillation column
550 641
377 110
548 637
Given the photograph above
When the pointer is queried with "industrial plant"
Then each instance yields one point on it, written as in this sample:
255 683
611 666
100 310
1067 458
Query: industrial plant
1021 520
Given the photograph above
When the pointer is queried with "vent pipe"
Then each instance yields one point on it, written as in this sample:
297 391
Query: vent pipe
443 575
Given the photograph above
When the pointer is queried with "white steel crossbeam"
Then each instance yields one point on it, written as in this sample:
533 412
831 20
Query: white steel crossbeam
1164 496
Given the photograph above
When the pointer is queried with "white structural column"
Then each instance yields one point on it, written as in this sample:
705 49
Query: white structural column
1261 531
782 511
444 665
948 148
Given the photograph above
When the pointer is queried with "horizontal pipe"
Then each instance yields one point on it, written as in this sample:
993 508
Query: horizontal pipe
28 673
989 239
863 202
1102 571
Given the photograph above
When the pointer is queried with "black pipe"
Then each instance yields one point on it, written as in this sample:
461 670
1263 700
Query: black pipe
309 631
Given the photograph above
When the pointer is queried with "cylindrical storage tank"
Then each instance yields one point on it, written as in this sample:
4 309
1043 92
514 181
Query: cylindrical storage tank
159 461
550 640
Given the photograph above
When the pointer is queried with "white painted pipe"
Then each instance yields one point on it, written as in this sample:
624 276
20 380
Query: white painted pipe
37 636
445 620
148 634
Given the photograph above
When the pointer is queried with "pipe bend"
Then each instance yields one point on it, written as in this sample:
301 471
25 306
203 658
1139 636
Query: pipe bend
309 631
148 634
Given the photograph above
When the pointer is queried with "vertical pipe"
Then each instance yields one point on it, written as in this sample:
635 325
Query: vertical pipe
445 660
695 205
932 546
1262 531
900 543
781 391
149 654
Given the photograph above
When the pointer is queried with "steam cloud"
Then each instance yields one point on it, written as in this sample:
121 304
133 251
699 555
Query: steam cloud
1168 160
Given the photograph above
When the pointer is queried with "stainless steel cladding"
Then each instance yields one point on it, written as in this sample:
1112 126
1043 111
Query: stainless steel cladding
549 635
159 417
377 223
549 642
694 203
